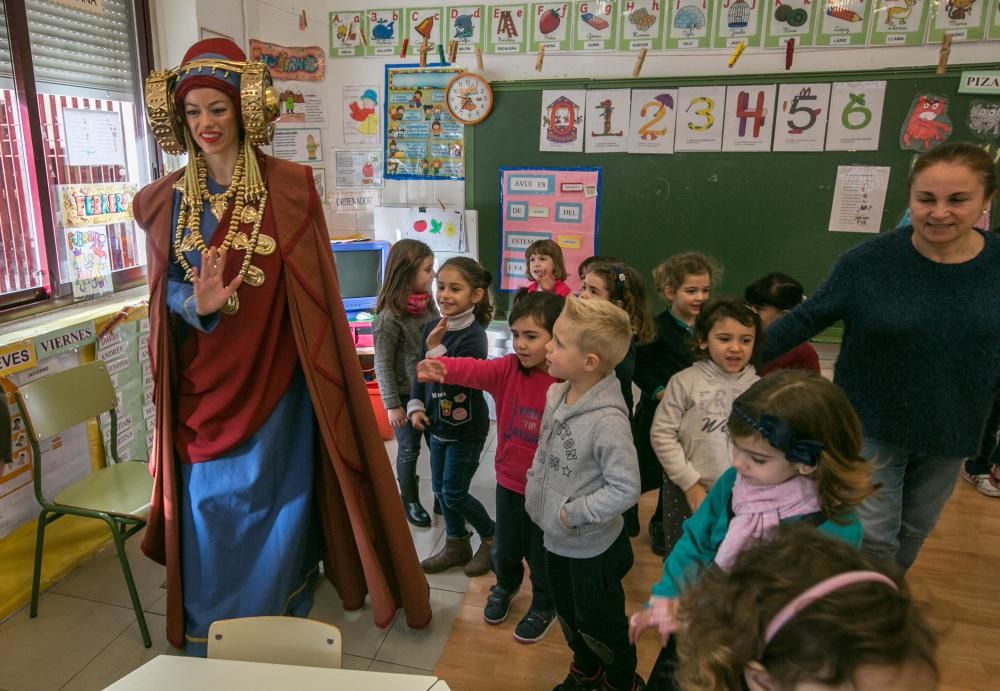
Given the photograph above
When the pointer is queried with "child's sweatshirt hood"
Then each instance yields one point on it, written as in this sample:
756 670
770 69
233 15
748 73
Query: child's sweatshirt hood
604 394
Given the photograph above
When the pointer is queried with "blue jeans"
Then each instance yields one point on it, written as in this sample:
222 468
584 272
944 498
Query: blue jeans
989 447
900 516
453 463
407 451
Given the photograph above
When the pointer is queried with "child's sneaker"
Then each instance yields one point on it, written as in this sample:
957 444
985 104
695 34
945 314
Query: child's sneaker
578 681
533 626
498 605
981 483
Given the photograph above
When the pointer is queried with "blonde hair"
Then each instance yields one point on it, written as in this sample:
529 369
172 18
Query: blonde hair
817 409
604 329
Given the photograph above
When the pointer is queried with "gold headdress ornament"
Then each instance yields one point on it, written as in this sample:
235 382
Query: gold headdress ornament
259 110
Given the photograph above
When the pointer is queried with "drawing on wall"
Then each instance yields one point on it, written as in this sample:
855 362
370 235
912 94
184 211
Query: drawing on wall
927 124
984 118
607 120
652 117
562 117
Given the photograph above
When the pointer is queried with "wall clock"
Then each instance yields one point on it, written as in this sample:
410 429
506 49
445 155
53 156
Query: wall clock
469 98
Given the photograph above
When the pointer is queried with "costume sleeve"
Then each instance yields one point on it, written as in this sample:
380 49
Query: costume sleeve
180 301
474 373
694 551
664 434
615 453
825 307
388 338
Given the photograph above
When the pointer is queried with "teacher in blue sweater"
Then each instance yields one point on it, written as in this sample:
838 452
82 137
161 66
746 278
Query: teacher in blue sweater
920 355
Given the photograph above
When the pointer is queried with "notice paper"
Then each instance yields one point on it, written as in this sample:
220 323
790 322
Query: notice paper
858 199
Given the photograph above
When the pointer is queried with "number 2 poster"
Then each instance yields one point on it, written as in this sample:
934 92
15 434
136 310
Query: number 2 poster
651 129
559 204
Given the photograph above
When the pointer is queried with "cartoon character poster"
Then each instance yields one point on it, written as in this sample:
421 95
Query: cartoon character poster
641 24
689 24
346 28
737 21
424 24
508 29
984 120
89 261
562 120
855 116
965 20
422 140
899 22
652 118
558 204
596 25
384 29
700 112
362 115
790 19
467 25
749 120
927 123
551 26
800 118
843 22
607 121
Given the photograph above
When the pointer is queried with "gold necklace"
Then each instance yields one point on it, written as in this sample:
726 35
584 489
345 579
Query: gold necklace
220 202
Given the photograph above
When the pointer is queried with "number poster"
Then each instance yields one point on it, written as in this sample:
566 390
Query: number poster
651 128
560 204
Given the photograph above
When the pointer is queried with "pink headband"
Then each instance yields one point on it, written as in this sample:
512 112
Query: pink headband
818 591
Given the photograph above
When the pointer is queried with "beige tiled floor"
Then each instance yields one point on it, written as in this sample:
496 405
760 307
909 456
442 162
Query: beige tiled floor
85 635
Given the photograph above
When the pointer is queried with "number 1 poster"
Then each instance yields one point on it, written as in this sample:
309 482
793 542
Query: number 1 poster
559 204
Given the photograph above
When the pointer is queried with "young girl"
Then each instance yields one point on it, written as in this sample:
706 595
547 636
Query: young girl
456 416
801 611
772 296
688 433
685 282
403 308
518 383
546 267
796 452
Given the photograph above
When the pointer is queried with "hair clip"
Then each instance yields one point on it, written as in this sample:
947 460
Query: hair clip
779 434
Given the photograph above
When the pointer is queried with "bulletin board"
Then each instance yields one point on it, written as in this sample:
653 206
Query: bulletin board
559 204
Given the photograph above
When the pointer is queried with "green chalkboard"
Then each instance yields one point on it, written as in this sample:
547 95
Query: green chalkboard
754 212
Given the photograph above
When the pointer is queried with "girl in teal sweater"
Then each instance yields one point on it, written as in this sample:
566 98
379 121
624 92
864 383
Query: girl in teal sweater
796 452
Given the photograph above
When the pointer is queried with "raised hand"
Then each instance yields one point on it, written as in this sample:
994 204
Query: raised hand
210 293
546 281
431 371
436 336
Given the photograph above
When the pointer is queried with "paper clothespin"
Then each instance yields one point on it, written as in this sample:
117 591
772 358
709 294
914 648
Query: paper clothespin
423 53
441 204
737 52
479 59
638 63
789 53
441 53
943 54
453 50
364 37
402 51
304 23
540 59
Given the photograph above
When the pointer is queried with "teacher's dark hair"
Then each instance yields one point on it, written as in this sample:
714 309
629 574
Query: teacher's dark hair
961 153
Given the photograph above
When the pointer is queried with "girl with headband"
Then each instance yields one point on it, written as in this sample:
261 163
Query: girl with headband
266 455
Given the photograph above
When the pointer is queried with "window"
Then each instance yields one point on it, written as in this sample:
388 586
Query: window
73 149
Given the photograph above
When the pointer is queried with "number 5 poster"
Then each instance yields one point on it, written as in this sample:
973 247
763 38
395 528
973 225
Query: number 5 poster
651 129
800 120
559 204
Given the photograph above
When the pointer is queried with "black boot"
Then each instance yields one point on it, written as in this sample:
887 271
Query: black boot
437 507
415 513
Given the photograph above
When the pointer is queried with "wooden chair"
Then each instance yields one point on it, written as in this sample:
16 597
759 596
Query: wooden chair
119 494
278 640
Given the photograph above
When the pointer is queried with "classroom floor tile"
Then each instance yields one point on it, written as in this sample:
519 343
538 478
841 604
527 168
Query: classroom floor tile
421 648
361 637
123 655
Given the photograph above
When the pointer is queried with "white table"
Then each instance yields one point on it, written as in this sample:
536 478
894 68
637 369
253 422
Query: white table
170 672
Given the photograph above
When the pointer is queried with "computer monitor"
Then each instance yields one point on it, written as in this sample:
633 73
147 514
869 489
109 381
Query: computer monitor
360 268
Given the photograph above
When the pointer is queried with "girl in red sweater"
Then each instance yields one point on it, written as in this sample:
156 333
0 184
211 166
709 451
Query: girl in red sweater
770 297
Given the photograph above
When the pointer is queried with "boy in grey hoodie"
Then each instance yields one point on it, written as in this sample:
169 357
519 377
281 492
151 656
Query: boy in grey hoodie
584 475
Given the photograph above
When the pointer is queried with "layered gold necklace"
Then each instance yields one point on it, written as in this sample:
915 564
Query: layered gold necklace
189 217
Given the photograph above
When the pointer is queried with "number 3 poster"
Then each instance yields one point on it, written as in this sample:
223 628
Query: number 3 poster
560 204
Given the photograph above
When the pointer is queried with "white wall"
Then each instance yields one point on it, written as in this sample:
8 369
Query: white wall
273 21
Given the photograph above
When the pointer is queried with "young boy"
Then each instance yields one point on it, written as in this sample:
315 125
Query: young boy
584 475
518 383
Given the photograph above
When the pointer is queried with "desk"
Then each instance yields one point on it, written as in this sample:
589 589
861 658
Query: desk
169 672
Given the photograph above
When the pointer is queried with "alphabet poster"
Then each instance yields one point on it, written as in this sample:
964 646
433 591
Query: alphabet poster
385 26
738 21
965 20
559 204
551 26
346 28
607 121
467 25
855 116
596 25
899 22
790 19
562 120
642 24
800 118
700 112
689 24
423 24
651 126
749 118
508 29
843 22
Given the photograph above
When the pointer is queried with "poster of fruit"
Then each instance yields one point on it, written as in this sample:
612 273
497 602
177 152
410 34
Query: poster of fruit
790 19
550 26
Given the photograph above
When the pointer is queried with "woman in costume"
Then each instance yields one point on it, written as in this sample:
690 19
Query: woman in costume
266 456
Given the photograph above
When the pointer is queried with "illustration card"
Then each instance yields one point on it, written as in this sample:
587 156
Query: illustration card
652 119
700 111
